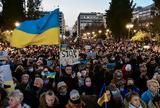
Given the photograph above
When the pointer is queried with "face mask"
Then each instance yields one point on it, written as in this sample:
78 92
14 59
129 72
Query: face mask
112 58
63 92
53 84
130 86
76 101
88 84
115 93
30 69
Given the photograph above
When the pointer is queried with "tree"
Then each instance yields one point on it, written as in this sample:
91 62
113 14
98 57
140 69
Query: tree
67 33
157 3
156 19
33 9
118 15
156 24
12 11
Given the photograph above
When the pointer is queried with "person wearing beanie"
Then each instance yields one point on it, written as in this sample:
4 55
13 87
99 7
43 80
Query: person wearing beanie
62 94
75 100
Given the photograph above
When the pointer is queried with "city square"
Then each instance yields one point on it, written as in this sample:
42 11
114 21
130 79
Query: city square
79 53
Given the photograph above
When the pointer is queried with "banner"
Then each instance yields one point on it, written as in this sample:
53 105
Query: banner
6 77
69 57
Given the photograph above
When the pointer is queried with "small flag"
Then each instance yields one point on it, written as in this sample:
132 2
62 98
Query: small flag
103 96
43 31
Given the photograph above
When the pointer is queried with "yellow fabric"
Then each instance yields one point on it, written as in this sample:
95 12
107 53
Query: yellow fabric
103 99
22 39
12 88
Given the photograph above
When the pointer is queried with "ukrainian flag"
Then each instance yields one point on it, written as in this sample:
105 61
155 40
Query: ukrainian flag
43 31
103 96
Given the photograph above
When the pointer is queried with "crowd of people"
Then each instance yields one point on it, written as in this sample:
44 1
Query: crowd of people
129 71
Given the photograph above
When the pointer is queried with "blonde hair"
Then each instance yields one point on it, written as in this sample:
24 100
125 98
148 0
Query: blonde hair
39 80
152 81
17 94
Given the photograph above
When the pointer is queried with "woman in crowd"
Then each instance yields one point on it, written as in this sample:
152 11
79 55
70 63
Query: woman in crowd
153 90
88 93
75 100
16 100
133 100
48 100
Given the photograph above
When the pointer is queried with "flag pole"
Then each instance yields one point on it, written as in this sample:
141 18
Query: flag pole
61 42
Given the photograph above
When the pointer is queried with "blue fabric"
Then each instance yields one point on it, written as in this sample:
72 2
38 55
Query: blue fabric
102 90
40 25
84 61
111 66
126 91
147 96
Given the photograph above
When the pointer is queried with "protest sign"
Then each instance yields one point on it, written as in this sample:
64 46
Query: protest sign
3 55
6 77
69 57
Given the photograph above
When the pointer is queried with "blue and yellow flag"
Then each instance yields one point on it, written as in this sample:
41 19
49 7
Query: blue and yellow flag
103 96
43 31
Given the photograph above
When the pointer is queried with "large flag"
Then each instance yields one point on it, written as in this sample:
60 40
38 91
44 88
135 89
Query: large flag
103 96
43 31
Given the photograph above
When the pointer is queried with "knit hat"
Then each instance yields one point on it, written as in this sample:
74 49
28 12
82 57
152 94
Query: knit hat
61 84
128 67
74 95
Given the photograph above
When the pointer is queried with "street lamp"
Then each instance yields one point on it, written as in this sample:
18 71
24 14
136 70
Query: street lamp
129 26
107 30
7 31
100 31
88 33
17 24
93 33
84 34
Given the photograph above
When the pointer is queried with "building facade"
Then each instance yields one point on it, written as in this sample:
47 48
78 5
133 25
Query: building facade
62 24
85 19
144 15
